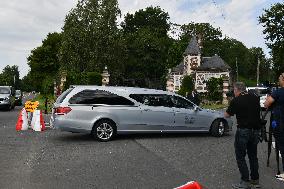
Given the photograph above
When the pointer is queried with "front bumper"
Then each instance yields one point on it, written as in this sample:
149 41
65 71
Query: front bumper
4 103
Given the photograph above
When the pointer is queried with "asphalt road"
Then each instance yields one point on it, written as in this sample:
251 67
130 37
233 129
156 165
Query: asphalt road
54 159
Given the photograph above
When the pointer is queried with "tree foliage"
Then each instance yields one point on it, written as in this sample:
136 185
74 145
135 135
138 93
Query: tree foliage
140 51
147 41
214 87
273 22
10 76
91 38
44 63
187 85
27 83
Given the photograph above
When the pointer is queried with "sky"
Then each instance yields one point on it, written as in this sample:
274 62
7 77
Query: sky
24 24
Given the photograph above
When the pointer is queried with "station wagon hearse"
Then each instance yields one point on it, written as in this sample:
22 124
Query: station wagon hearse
105 111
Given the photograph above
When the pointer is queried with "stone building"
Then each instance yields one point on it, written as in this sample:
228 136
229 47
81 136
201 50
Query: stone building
200 68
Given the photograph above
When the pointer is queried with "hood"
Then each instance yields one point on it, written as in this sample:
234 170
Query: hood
4 95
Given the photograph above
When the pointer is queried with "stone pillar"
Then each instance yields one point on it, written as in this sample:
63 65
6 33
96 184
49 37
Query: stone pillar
225 90
62 80
54 88
105 77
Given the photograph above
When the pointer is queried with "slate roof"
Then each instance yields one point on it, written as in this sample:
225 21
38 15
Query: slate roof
214 63
179 68
192 48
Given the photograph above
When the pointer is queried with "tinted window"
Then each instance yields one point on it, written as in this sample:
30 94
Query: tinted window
63 95
152 99
99 97
181 103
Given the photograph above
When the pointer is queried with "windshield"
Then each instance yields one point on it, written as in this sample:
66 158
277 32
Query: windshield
18 93
4 90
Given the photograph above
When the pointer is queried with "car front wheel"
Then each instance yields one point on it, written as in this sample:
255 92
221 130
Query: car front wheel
218 128
104 130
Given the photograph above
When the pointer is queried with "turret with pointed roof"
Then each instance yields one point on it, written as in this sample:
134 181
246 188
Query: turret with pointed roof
192 48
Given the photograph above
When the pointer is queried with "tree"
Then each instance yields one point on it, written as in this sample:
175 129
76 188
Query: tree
214 87
256 53
204 30
44 63
273 22
187 85
27 83
10 76
91 38
147 41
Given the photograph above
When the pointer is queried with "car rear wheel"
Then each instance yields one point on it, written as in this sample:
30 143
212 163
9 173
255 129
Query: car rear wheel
104 130
218 128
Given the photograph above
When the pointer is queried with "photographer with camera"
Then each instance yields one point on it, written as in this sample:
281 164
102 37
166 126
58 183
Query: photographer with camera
246 107
276 101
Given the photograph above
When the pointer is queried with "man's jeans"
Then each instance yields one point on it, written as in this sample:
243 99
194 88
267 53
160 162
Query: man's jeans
246 141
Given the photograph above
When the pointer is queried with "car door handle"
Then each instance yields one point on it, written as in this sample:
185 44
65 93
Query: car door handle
146 110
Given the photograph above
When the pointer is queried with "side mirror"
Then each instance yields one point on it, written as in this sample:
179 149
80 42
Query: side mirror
196 108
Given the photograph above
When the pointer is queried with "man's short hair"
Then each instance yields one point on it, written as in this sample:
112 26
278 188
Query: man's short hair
240 86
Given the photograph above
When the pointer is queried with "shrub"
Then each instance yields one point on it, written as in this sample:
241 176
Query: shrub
186 86
215 89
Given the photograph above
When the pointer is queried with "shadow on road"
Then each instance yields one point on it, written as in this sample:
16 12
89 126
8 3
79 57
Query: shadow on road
76 137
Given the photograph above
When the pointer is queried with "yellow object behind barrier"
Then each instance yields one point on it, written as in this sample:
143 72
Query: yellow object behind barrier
31 106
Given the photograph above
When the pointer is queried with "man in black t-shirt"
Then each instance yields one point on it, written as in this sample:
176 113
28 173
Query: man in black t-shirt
276 100
246 107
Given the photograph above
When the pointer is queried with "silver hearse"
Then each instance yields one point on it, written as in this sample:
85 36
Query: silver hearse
107 111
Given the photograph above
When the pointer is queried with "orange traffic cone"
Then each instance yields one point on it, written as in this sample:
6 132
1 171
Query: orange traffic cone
19 122
42 122
190 185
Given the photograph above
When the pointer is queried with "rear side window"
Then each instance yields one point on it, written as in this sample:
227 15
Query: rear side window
153 99
63 95
99 97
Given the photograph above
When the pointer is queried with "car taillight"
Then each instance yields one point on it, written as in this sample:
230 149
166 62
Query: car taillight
62 110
